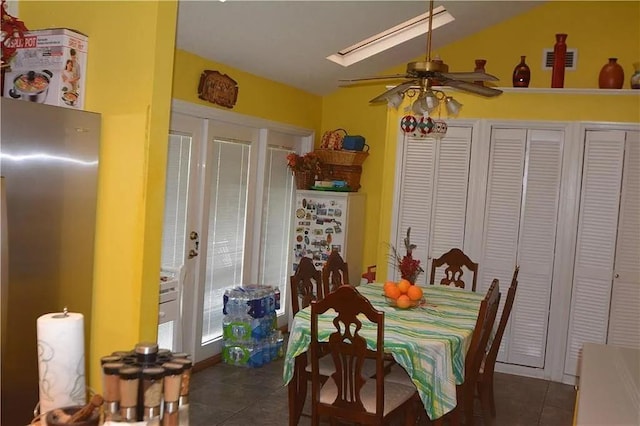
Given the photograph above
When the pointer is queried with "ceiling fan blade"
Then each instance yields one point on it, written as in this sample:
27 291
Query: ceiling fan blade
472 76
473 88
377 77
400 88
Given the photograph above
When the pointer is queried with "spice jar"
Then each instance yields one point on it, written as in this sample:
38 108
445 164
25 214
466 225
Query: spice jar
187 366
129 383
152 381
171 392
146 353
111 388
176 355
110 358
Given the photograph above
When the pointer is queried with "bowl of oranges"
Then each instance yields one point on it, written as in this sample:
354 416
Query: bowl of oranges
403 294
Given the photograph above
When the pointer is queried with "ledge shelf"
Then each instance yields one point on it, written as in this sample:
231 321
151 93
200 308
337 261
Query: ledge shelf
570 91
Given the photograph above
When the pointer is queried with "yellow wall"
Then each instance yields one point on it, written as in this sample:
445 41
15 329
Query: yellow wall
598 30
257 96
129 82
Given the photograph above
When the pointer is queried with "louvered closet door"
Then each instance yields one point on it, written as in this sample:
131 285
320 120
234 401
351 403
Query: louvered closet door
596 241
624 319
434 182
526 342
450 197
502 207
520 228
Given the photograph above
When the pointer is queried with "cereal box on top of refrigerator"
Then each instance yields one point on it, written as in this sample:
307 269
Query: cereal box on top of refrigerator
49 67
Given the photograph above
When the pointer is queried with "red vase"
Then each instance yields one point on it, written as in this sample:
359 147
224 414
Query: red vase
480 63
521 74
559 57
611 75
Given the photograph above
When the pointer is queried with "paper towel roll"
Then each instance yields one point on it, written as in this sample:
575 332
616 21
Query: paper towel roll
61 360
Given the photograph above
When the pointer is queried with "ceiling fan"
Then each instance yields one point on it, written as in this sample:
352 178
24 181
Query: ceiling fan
422 76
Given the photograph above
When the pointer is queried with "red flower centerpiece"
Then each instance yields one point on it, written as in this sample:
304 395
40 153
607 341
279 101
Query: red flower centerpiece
408 266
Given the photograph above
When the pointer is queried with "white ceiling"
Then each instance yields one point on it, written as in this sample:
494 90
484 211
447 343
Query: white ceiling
288 41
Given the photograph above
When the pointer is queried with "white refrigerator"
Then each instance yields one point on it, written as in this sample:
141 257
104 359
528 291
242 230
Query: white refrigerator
326 221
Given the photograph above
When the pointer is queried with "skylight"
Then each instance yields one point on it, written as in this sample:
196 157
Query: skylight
394 36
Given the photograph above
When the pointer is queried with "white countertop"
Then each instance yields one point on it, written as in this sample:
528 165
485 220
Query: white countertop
609 387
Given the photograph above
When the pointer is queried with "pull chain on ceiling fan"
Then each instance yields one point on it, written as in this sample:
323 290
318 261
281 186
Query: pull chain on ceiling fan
423 76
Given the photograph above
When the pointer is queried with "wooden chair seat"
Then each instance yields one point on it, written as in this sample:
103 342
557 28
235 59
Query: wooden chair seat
395 395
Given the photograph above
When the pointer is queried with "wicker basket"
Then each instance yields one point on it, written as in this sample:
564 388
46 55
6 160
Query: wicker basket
304 180
341 157
350 174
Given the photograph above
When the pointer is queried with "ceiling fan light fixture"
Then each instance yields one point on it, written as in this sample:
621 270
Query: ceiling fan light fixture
453 106
431 101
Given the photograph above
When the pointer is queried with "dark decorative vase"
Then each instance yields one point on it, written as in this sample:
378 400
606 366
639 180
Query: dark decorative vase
559 56
611 75
521 74
480 63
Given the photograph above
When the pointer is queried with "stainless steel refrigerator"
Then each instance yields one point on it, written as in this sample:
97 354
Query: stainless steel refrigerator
49 169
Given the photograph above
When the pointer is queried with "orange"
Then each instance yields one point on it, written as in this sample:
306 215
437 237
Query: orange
403 301
392 292
404 285
388 284
414 292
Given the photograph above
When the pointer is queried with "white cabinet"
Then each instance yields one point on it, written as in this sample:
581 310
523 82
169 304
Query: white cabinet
606 285
326 221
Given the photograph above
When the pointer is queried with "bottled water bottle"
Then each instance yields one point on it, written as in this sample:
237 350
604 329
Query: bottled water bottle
280 344
277 297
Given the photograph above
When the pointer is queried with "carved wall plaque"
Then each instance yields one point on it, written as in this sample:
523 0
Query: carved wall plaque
218 88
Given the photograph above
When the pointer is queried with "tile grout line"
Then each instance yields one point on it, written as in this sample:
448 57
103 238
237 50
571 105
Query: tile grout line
544 402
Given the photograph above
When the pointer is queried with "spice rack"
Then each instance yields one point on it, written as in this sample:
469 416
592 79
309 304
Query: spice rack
145 384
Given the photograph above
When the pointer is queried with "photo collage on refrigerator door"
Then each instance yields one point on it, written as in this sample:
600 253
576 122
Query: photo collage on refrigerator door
318 229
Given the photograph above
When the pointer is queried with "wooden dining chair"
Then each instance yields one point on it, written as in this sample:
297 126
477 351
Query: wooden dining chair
306 285
485 376
350 395
455 259
335 273
465 393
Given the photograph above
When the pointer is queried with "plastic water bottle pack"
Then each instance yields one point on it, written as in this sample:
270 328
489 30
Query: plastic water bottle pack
249 326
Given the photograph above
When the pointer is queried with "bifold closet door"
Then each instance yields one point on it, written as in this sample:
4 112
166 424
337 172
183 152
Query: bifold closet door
433 200
602 168
521 208
624 319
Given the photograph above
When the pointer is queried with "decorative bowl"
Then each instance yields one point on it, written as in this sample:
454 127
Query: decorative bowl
414 303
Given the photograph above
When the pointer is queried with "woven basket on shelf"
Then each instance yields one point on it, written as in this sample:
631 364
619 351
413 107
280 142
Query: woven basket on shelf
350 174
341 157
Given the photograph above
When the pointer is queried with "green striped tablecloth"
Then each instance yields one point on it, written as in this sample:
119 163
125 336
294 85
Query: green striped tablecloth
430 341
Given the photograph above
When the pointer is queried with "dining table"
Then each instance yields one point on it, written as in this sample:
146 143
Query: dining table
429 341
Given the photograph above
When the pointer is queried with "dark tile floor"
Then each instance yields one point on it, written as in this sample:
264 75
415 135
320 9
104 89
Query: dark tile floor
236 396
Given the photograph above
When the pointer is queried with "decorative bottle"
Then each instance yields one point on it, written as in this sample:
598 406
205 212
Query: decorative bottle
480 63
559 55
635 78
521 74
611 75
